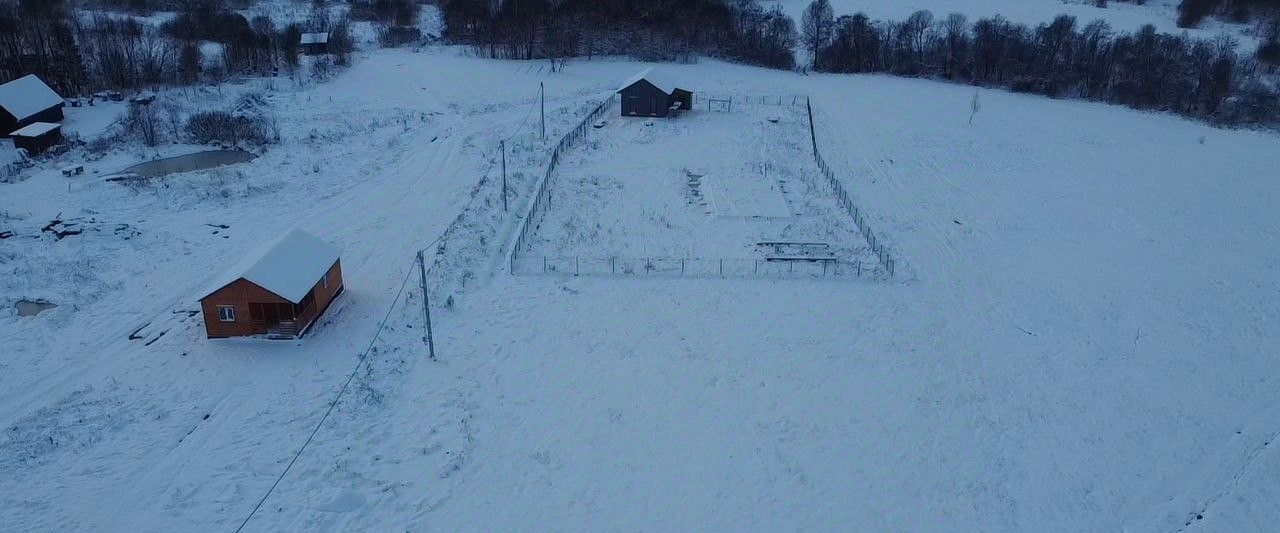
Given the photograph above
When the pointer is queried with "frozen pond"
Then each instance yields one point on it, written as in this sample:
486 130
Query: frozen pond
33 308
188 163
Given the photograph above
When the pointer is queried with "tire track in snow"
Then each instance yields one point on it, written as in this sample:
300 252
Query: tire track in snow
1197 516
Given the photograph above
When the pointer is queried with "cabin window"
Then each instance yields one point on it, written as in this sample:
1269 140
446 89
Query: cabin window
227 313
325 280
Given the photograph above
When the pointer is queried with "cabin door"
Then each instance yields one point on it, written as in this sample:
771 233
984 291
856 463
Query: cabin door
269 316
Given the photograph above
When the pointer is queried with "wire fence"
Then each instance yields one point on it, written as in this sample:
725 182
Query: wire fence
729 99
523 263
542 200
842 196
691 267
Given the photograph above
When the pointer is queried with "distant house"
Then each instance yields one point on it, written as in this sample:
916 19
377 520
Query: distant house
314 43
278 292
649 94
25 101
37 137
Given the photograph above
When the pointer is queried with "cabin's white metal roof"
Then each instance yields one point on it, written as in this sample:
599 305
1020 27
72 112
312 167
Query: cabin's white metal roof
35 129
27 96
288 266
654 76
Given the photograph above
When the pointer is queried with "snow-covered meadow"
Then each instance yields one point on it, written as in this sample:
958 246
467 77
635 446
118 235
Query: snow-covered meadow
706 186
1081 335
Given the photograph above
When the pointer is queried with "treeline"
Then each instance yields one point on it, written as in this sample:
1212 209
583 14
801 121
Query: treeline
79 52
38 36
1145 70
670 30
1192 12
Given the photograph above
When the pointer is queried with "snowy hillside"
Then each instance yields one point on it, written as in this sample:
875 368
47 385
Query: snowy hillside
1081 334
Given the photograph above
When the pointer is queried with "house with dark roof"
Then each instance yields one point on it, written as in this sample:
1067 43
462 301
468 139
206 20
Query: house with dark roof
314 43
651 94
37 137
26 101
278 291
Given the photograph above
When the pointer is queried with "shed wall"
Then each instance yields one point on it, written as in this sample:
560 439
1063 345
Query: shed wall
642 99
8 124
35 145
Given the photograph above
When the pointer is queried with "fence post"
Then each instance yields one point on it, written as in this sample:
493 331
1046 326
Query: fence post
813 135
722 267
426 306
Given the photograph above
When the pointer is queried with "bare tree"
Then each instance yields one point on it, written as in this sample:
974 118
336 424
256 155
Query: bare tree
817 26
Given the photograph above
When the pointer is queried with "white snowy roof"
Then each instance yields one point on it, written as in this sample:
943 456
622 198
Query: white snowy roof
315 38
35 129
288 266
657 78
27 96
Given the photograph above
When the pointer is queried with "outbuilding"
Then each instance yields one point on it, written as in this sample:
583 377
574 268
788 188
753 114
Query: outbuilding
37 137
28 100
278 291
650 94
314 43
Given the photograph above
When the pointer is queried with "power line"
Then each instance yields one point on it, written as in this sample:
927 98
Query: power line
363 357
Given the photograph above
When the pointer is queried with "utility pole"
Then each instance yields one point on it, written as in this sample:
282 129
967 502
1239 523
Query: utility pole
542 95
429 339
503 145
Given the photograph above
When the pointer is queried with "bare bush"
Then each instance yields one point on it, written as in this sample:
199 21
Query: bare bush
322 69
393 36
144 122
221 126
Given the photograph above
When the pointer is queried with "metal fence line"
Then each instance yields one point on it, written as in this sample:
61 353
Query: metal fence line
690 267
842 197
533 218
521 263
748 99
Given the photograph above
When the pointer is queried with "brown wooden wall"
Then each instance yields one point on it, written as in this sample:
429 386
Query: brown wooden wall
323 296
241 293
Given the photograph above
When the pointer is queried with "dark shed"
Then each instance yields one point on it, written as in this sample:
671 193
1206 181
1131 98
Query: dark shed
314 43
648 95
37 137
25 101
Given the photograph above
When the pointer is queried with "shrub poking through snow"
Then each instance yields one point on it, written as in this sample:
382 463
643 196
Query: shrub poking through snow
221 126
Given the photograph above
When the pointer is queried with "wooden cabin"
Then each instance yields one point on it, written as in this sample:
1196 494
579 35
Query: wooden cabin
26 101
649 94
277 292
37 137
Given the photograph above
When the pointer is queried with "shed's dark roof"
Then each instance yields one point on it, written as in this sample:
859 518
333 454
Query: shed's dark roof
653 76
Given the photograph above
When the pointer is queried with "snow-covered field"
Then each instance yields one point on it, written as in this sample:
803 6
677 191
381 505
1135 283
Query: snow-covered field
705 186
1081 335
